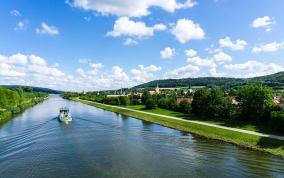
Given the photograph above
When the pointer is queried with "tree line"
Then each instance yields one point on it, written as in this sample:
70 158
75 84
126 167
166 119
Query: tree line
13 101
252 103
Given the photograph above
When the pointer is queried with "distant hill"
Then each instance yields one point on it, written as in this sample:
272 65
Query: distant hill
36 89
274 80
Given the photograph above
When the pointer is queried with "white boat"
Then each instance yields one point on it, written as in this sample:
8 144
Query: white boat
64 115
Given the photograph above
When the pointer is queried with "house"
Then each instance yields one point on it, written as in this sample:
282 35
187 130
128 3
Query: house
277 100
189 100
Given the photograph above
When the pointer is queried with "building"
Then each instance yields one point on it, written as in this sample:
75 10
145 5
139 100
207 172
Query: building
189 100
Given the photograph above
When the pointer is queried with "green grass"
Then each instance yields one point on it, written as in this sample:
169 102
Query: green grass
251 126
242 139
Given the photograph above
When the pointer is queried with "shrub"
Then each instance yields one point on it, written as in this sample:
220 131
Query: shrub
150 103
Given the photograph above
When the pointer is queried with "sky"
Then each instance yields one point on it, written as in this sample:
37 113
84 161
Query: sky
76 45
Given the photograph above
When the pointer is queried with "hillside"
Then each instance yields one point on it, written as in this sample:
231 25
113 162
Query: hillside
36 89
274 80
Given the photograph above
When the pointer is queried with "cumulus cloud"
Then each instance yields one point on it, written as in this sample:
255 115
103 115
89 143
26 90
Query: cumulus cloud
263 22
126 27
129 8
190 53
30 70
182 72
198 61
233 45
269 47
144 74
37 60
185 30
254 68
222 57
167 53
46 29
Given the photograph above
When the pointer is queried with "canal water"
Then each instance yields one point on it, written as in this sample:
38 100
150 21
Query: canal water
99 143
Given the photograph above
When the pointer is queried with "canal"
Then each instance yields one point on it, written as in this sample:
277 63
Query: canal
99 143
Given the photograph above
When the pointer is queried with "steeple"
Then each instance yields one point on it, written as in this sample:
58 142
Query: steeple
157 90
189 87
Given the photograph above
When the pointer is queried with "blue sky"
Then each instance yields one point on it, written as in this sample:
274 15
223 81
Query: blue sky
104 44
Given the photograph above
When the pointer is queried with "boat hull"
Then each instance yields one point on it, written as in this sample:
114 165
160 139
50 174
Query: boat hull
65 119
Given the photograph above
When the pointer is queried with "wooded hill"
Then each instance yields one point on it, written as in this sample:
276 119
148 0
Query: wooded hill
275 81
35 89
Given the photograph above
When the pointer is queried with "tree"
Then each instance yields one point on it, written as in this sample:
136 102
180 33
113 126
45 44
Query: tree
124 100
200 101
255 102
150 103
145 96
28 89
184 107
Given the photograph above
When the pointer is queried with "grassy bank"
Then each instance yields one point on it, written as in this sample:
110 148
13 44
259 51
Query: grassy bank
242 139
234 123
6 115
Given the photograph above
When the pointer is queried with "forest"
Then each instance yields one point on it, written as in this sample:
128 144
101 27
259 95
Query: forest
14 101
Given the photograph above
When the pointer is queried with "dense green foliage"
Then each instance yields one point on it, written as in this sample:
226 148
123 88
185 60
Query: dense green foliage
34 89
15 101
255 102
212 103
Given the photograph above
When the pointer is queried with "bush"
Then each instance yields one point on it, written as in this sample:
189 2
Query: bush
184 107
277 121
255 102
150 103
124 100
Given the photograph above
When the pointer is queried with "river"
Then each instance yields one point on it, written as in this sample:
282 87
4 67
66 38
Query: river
99 143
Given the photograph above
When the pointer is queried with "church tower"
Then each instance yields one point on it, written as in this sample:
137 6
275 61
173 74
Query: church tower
157 90
189 87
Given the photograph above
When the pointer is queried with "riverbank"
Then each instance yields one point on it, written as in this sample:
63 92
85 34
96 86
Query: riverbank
6 115
247 140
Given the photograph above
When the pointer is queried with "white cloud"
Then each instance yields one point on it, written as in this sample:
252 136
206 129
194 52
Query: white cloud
233 45
254 68
167 53
126 27
130 41
222 57
29 70
21 25
7 70
269 47
185 30
119 74
190 53
18 59
130 8
46 29
263 22
182 72
213 73
81 72
144 74
201 62
37 60
15 13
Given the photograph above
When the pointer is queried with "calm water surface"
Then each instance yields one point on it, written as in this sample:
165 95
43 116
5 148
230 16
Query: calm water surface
103 144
